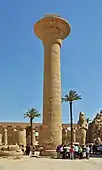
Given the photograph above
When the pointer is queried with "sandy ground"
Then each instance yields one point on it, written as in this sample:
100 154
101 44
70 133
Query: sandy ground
50 164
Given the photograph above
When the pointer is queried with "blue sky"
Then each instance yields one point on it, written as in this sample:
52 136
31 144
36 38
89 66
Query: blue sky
21 56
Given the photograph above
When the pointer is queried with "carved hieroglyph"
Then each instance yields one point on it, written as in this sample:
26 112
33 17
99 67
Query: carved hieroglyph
51 30
83 127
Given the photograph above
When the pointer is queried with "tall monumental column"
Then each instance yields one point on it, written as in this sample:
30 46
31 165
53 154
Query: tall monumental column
51 29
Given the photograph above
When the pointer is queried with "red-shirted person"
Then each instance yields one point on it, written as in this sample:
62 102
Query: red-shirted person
72 151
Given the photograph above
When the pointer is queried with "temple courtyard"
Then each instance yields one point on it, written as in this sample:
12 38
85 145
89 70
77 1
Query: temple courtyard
27 163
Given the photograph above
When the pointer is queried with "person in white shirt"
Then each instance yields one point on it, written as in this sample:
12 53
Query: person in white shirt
87 151
76 148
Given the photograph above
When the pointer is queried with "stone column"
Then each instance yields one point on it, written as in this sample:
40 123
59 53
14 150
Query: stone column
0 139
22 137
14 137
51 30
33 137
5 137
74 135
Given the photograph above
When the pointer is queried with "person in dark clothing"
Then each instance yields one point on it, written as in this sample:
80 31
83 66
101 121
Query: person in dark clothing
94 149
33 150
80 152
27 149
58 151
23 148
64 152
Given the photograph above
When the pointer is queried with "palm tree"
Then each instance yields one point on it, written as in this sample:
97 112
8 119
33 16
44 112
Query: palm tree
70 97
32 114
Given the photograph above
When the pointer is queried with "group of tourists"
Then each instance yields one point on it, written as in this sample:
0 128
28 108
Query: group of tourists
72 151
28 150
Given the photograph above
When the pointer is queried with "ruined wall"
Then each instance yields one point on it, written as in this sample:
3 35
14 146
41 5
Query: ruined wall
13 137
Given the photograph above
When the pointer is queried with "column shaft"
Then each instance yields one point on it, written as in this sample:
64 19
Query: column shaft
74 136
14 137
33 137
52 90
0 139
51 29
5 137
22 137
46 93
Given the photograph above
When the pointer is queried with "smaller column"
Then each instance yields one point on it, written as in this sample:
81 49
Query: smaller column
74 135
14 137
22 137
33 137
0 139
5 136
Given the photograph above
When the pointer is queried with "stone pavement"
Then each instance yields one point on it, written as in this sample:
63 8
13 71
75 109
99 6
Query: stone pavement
50 164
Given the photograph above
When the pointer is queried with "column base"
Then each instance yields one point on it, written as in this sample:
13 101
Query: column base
44 137
51 153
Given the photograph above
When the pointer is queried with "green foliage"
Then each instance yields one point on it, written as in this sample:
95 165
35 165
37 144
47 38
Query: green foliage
71 96
32 114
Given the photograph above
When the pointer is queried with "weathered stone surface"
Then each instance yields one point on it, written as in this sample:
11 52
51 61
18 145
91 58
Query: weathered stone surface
97 128
1 139
10 150
10 153
74 135
22 137
36 127
5 136
83 126
51 30
9 134
14 136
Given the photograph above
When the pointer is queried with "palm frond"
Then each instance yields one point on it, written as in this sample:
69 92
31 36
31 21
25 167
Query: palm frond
26 115
71 96
32 114
77 97
63 99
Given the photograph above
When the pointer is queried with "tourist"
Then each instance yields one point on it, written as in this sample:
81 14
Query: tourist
72 151
22 148
80 152
90 146
87 152
33 150
68 151
61 151
84 152
58 151
64 151
94 149
76 148
27 149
